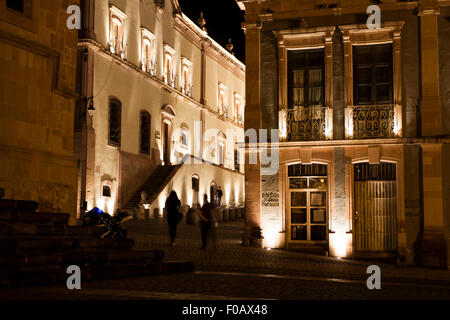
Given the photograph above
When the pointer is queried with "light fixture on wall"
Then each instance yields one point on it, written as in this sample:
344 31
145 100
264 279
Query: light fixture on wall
90 109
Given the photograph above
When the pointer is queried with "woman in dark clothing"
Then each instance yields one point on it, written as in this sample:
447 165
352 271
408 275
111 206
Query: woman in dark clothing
173 215
208 220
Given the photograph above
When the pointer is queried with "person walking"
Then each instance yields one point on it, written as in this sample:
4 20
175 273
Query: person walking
219 195
173 215
208 221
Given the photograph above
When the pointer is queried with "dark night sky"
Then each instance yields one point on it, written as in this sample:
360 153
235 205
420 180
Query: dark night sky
223 21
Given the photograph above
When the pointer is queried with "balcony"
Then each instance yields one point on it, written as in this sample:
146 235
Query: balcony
306 123
373 121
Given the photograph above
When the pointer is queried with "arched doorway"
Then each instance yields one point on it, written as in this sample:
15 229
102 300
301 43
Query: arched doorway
167 116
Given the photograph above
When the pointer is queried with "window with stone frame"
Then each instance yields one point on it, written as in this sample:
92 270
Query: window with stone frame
169 66
22 13
184 138
373 74
115 123
117 43
221 150
186 76
145 133
147 51
237 108
306 78
17 5
222 99
237 160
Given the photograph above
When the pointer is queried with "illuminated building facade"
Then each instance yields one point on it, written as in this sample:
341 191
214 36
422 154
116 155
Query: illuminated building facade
162 90
363 116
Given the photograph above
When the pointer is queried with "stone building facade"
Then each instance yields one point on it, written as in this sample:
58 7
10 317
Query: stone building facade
162 90
363 122
37 102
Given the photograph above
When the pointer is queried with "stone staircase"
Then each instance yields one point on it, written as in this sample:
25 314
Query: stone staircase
154 185
36 248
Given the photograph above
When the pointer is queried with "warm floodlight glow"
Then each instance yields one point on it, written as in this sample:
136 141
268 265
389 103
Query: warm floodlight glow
271 234
340 244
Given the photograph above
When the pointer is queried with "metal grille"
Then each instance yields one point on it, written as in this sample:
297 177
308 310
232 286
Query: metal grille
373 121
306 123
375 205
302 170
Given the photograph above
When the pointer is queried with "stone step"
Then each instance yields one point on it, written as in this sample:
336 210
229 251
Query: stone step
10 229
6 204
33 217
55 274
79 258
46 244
18 245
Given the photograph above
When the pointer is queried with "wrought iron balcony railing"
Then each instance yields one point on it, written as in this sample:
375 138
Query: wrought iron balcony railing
306 123
373 121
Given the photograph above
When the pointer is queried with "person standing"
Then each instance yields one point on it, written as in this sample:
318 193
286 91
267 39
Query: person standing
219 194
208 221
173 215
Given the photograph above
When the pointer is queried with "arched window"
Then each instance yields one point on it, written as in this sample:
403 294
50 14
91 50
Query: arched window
115 122
195 183
146 125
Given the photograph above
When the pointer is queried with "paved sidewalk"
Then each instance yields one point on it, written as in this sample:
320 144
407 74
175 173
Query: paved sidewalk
231 256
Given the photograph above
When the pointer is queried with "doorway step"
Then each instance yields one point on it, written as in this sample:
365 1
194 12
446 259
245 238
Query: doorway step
312 248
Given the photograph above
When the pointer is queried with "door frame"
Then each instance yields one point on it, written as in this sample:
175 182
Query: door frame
355 254
287 206
167 117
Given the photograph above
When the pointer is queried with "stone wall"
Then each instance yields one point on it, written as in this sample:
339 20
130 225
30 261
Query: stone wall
37 82
444 65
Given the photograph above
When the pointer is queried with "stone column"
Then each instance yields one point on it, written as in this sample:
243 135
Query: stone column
338 84
433 248
88 19
252 122
338 213
431 104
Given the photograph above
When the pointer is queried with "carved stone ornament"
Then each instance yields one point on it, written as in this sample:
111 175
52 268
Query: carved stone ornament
159 4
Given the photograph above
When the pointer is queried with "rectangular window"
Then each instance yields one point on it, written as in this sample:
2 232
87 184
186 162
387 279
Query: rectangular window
186 83
115 121
306 78
147 55
145 133
116 32
237 107
237 161
222 99
17 5
373 74
168 72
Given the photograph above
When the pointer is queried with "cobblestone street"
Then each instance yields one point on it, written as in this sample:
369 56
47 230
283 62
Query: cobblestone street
235 272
